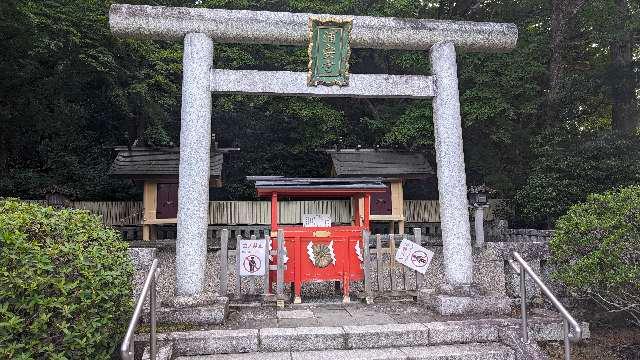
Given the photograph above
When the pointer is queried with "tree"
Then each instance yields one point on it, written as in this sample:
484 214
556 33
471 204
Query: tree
69 90
625 113
569 166
563 27
592 63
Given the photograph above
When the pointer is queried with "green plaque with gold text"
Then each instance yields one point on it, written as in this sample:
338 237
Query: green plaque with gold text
329 51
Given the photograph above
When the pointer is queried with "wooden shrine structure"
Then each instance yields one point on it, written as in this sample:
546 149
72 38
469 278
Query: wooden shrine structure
394 168
157 170
320 250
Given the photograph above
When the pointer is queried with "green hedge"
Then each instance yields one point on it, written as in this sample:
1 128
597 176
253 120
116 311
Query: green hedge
65 284
596 246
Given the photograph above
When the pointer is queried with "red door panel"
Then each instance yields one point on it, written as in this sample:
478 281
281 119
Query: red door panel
344 244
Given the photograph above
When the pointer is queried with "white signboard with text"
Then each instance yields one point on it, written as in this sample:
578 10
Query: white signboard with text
252 257
316 220
414 256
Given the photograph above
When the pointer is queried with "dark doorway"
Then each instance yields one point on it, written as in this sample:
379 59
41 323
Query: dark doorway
167 201
381 202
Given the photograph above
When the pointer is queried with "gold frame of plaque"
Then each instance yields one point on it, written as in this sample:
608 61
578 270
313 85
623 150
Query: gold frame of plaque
329 51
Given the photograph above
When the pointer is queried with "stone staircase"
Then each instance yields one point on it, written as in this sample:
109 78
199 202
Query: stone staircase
486 339
487 351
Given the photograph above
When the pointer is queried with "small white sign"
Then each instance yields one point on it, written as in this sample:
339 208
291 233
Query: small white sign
414 256
252 257
316 220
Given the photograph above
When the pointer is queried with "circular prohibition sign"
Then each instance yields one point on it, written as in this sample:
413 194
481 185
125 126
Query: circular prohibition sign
419 258
252 263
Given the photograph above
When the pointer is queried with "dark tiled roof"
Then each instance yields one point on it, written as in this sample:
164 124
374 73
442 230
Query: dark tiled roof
145 162
382 163
279 182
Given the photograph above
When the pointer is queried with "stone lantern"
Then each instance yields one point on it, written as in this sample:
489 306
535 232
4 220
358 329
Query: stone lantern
478 197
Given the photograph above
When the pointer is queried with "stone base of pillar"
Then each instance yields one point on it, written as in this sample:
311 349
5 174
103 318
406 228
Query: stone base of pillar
464 300
204 309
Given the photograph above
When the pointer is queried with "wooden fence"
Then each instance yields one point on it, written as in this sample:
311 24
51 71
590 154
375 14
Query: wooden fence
114 213
121 213
383 276
388 276
251 283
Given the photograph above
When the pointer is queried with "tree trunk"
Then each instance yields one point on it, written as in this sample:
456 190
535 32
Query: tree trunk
563 16
625 112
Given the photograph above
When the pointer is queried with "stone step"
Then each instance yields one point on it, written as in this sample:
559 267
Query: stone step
165 352
330 338
473 351
267 341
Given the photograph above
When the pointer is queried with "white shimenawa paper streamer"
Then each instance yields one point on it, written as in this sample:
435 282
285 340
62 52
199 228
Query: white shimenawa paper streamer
310 252
333 254
358 252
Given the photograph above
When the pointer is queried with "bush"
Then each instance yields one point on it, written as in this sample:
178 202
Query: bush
65 284
597 249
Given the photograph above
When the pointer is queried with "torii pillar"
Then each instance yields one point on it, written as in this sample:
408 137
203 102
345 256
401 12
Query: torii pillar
193 177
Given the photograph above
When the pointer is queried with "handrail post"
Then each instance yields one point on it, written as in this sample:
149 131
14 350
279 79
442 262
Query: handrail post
567 344
153 341
523 304
131 350
127 346
567 319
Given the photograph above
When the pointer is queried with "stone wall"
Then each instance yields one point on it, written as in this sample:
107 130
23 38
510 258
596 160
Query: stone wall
492 273
520 235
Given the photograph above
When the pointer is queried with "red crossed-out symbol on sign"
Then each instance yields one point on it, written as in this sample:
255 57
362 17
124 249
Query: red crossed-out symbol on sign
419 258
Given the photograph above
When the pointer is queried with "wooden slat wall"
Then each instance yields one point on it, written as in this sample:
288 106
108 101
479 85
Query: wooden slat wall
429 210
225 212
421 211
291 212
239 212
114 212
259 212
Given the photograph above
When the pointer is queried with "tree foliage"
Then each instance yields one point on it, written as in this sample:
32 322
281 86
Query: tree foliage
70 90
569 167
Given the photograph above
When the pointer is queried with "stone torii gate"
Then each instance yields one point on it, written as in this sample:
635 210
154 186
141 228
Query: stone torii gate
201 28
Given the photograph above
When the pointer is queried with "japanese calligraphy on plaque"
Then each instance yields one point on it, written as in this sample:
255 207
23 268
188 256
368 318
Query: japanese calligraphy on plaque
329 51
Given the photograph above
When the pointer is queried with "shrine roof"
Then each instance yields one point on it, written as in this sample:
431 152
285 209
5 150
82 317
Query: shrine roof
147 162
266 185
382 163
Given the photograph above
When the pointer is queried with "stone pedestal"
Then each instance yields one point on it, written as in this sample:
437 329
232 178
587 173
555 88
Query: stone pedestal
452 183
479 225
193 179
466 300
204 309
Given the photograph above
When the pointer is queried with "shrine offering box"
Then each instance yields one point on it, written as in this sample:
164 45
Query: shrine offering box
331 252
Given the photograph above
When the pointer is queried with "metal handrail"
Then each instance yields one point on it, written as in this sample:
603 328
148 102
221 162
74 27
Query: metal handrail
126 349
567 319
